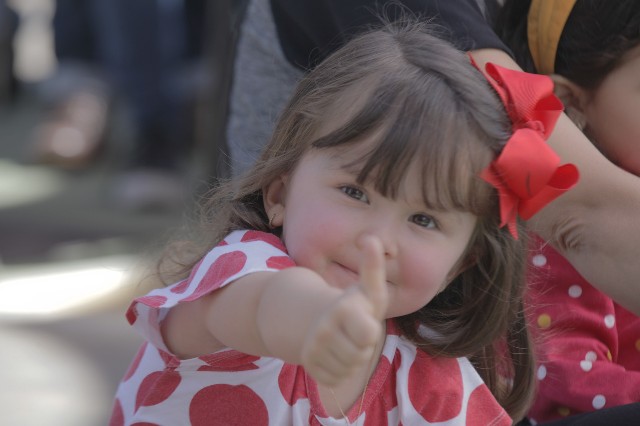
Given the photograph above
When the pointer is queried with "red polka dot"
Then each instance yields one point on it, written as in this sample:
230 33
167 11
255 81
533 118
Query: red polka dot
392 328
291 381
117 415
375 416
227 405
252 235
246 367
169 360
313 420
437 396
135 363
231 361
152 318
152 301
280 262
390 396
376 413
181 286
266 237
157 387
132 313
481 409
222 269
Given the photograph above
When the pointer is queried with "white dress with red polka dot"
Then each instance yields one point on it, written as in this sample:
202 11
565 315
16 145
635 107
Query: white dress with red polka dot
589 346
407 387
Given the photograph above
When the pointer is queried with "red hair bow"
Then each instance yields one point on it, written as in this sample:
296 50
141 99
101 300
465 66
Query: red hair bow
527 173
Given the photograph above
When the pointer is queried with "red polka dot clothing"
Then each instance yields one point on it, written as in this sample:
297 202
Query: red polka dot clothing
589 346
408 387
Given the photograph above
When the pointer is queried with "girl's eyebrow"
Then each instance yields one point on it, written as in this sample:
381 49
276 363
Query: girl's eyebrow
337 165
352 167
349 168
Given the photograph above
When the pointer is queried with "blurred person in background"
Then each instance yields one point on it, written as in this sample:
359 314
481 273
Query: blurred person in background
8 25
589 345
140 55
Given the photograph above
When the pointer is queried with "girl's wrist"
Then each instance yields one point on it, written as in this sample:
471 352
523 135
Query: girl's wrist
290 303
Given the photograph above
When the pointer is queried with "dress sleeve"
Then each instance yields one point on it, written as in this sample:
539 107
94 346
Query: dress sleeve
582 346
239 254
309 31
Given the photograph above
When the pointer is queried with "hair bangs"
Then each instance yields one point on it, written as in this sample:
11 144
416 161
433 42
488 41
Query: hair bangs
451 159
430 131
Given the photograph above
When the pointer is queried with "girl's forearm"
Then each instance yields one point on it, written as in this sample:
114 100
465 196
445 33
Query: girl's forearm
269 313
292 300
262 314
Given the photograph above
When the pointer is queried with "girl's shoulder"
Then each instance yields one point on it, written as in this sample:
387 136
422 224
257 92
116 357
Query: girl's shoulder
240 253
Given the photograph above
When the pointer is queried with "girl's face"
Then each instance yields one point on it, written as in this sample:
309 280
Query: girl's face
326 212
612 113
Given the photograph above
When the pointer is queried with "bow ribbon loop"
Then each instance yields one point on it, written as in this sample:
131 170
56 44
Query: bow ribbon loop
528 98
527 173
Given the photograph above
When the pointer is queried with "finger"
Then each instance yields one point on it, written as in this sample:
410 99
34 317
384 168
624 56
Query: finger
328 369
373 275
333 365
362 328
335 353
348 352
333 368
324 377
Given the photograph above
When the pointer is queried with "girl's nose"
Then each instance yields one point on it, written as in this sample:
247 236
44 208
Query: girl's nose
390 247
388 235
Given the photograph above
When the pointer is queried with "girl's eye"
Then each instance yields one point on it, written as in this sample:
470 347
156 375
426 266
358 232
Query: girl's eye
424 221
354 193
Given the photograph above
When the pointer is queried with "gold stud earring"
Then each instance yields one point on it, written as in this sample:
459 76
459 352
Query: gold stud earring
273 216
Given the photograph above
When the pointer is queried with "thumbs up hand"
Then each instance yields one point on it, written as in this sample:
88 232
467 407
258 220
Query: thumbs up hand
345 335
373 276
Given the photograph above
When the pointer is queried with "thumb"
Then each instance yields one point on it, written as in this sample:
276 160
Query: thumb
373 275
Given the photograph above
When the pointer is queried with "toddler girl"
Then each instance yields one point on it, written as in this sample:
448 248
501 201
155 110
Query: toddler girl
370 259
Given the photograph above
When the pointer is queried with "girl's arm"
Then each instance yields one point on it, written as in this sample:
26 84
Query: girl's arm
292 314
595 225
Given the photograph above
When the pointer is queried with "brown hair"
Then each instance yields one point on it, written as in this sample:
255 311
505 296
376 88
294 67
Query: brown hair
593 43
423 101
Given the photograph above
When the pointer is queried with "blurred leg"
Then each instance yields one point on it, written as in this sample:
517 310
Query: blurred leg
8 26
77 96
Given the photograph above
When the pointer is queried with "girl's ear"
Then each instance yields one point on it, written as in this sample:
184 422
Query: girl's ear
274 195
574 98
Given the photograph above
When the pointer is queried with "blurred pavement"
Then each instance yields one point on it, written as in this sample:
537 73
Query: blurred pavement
70 262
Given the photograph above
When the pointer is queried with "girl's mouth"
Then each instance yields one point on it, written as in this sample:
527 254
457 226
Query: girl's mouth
343 276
